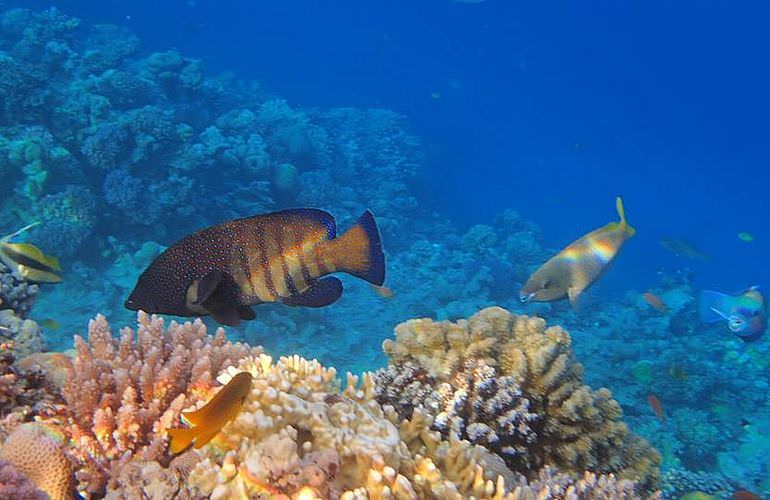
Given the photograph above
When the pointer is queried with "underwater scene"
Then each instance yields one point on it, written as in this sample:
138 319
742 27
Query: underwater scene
384 249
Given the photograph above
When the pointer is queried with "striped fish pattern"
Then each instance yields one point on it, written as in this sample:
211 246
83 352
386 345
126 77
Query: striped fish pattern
278 257
580 264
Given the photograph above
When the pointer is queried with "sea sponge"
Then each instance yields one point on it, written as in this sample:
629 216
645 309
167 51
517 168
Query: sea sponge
575 428
37 451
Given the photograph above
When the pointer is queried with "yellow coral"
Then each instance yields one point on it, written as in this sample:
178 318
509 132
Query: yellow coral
37 451
581 428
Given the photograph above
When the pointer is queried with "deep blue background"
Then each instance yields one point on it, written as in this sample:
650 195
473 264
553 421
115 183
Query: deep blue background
551 108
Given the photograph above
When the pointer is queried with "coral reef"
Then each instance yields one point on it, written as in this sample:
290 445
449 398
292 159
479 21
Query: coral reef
37 451
16 293
18 336
14 484
497 363
123 393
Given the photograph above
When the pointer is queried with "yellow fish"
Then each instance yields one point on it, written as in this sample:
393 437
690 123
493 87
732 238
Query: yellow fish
209 420
576 267
27 260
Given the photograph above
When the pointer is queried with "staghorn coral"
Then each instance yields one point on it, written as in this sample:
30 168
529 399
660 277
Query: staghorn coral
37 451
576 428
123 393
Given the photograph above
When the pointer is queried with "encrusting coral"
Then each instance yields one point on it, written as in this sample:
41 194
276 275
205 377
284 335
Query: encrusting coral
123 393
510 384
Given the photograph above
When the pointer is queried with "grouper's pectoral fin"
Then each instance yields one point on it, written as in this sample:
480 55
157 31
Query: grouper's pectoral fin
321 293
208 285
226 315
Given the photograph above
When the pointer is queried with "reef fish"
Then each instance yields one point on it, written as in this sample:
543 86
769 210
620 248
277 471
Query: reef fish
682 248
28 261
656 406
655 302
571 271
209 420
278 257
745 313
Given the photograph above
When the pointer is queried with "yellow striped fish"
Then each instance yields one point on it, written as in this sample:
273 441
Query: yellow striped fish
27 261
278 257
576 267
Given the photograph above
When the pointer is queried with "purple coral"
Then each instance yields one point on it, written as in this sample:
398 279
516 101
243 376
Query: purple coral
14 484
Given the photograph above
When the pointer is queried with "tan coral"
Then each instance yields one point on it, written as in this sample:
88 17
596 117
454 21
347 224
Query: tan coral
580 429
300 402
37 451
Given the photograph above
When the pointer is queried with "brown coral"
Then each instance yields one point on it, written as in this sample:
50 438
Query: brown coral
14 484
37 451
577 428
123 393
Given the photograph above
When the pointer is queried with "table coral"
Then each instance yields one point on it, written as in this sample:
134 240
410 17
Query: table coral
123 393
575 428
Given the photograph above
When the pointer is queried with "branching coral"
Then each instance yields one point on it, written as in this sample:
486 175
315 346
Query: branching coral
123 393
554 420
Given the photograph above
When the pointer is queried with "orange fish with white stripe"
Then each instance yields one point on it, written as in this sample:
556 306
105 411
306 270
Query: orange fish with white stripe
571 271
283 257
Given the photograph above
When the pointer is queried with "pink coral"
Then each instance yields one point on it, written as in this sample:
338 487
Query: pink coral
123 393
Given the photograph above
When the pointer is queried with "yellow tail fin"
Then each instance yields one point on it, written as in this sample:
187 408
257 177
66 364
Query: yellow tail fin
630 231
359 251
181 438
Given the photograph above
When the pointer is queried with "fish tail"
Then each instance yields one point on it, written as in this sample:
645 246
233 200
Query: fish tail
359 251
713 306
630 230
181 438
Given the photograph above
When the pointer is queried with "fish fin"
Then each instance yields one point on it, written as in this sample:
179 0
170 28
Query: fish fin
246 313
713 306
223 314
18 232
359 251
208 285
38 275
321 293
573 294
181 438
629 230
207 436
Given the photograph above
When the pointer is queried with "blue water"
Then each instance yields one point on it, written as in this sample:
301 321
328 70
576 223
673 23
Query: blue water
552 109
549 109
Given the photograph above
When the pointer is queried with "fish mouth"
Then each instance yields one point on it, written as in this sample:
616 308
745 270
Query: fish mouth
526 297
131 305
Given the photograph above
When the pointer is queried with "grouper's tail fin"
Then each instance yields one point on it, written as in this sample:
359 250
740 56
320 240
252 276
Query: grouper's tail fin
630 231
359 251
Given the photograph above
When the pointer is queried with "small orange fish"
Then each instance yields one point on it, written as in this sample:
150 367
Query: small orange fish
209 420
745 495
655 302
656 406
383 291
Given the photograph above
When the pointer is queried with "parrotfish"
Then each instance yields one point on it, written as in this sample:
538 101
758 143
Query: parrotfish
209 420
581 263
27 261
745 313
279 257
